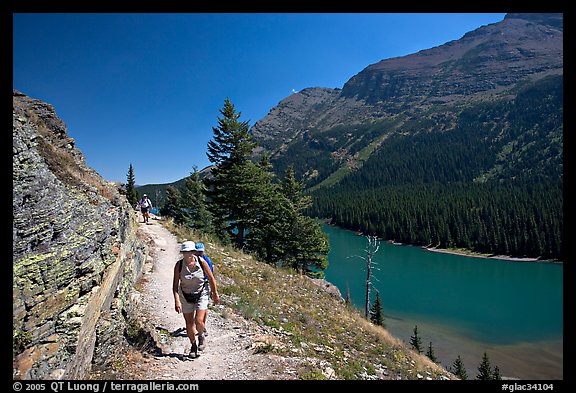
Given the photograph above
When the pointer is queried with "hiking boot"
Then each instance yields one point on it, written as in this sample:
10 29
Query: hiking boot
205 332
193 350
201 343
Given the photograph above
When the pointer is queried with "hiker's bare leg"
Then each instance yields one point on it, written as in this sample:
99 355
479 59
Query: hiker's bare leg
200 326
200 321
190 326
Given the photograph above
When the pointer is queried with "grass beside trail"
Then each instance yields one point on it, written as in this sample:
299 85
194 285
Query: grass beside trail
308 322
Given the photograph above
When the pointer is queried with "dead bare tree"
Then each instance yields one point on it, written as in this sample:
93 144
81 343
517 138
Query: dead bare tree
370 250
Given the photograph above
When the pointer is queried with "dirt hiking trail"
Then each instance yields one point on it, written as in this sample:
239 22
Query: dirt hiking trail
230 351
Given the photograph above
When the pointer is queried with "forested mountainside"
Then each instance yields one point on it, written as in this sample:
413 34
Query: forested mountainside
460 145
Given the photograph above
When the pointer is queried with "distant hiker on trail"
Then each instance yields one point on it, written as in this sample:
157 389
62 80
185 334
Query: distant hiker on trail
191 293
200 253
145 207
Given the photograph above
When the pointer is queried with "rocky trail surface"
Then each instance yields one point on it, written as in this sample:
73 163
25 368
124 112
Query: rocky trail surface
230 353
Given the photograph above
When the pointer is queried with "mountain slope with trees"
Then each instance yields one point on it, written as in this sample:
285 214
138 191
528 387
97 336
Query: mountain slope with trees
241 203
460 145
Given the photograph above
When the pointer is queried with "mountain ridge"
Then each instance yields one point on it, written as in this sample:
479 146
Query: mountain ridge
471 119
437 75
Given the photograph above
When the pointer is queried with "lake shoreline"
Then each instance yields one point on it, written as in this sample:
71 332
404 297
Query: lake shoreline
488 256
465 307
461 252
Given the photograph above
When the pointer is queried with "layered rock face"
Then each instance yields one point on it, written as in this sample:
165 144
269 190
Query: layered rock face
76 255
483 61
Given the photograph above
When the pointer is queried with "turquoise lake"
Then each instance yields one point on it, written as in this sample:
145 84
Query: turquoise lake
465 306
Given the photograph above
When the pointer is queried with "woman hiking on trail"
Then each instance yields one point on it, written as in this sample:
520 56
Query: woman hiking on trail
191 293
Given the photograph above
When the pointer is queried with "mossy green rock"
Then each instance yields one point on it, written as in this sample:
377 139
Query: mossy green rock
68 225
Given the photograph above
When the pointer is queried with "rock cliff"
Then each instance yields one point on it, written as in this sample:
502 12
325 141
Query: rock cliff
483 63
76 255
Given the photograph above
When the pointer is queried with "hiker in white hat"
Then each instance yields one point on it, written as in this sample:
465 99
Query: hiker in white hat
191 293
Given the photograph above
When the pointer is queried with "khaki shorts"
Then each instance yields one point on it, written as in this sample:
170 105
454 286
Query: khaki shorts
191 307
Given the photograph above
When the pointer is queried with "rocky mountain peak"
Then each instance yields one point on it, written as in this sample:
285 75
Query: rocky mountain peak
552 19
291 115
484 61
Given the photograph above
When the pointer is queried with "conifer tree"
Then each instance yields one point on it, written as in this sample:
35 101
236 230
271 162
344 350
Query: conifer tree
485 370
172 205
376 313
430 353
131 193
231 187
264 210
283 235
458 369
195 213
249 207
310 254
294 191
496 374
416 341
348 300
308 245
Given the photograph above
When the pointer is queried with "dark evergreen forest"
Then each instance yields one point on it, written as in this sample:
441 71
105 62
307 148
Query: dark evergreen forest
486 176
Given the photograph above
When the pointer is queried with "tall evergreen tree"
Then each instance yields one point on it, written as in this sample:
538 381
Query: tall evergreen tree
269 233
485 370
376 313
131 193
430 353
416 341
310 247
231 187
458 369
252 209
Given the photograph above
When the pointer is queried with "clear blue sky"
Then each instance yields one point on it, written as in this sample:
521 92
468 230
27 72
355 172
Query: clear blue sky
146 89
